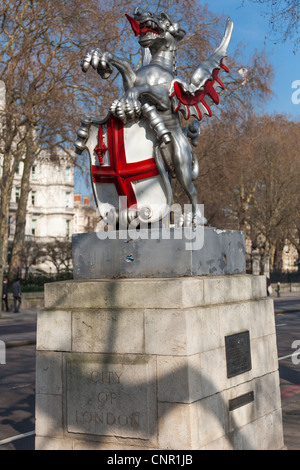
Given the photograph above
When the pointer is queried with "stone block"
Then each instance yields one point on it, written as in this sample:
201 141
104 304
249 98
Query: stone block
262 317
159 253
226 289
111 395
108 331
49 378
49 415
94 445
46 443
165 333
125 293
264 355
179 378
203 328
176 426
54 330
259 286
185 292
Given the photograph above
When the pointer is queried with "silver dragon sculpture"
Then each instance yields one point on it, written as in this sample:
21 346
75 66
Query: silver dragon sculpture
154 92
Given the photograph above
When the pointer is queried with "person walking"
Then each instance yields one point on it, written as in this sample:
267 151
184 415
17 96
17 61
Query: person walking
5 294
17 294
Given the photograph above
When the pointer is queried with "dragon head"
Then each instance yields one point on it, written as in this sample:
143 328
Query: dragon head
154 28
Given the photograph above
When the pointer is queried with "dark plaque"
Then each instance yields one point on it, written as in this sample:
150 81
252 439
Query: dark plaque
241 401
238 354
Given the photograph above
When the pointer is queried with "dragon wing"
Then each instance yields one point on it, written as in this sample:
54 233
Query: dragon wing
194 98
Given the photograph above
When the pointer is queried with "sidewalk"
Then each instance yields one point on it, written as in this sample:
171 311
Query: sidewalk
25 317
288 302
25 314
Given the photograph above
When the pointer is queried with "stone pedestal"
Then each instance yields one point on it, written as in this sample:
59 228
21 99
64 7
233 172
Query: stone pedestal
168 363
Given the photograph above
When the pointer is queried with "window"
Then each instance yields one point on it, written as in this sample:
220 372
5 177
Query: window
33 172
17 194
33 198
33 227
286 264
68 173
67 199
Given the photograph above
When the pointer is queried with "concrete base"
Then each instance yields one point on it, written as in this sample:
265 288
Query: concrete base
144 364
161 252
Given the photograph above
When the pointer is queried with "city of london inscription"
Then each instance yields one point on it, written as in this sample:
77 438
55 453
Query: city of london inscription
108 398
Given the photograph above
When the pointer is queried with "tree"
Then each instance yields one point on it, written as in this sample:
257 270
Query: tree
41 45
18 245
284 16
32 254
59 253
293 234
40 49
251 180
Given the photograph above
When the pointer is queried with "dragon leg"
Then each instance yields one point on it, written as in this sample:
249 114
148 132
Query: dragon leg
184 164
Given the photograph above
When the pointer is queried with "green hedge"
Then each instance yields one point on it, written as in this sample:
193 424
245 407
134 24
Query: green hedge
35 282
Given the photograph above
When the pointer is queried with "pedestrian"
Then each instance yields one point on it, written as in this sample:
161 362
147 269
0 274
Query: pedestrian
269 288
5 294
278 289
17 294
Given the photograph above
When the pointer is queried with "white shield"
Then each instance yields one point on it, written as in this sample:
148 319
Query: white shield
123 165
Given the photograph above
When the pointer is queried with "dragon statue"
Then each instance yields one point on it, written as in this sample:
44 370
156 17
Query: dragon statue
140 146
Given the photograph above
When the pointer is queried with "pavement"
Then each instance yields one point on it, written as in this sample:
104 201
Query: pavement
288 302
27 336
287 312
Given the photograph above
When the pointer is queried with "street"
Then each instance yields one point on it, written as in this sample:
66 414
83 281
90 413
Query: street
17 388
287 320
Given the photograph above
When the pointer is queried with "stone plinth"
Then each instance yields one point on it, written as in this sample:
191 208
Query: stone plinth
145 364
160 253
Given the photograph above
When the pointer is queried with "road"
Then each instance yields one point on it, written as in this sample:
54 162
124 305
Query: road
287 320
17 387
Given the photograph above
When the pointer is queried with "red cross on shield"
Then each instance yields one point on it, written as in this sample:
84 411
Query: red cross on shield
123 164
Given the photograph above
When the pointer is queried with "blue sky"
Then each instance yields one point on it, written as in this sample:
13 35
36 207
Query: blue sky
251 26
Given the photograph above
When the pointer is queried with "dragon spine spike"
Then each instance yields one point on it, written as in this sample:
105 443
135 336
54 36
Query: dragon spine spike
205 68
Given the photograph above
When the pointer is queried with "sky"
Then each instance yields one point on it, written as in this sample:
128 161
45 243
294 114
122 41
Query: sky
251 26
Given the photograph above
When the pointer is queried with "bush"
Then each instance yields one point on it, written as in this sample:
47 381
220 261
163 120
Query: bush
284 278
35 282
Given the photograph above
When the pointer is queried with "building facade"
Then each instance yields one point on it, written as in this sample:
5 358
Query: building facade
53 213
50 206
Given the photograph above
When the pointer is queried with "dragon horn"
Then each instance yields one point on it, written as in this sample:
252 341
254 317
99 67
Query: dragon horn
205 69
222 49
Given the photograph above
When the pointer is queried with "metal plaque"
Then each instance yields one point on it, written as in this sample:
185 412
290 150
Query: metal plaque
238 354
241 400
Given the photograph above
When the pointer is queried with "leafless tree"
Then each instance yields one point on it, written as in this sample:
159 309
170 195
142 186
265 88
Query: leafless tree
41 45
284 16
251 179
59 253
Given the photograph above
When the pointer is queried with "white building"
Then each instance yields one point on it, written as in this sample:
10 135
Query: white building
53 212
50 206
49 214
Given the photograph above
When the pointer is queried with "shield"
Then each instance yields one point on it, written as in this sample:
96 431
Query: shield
123 165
